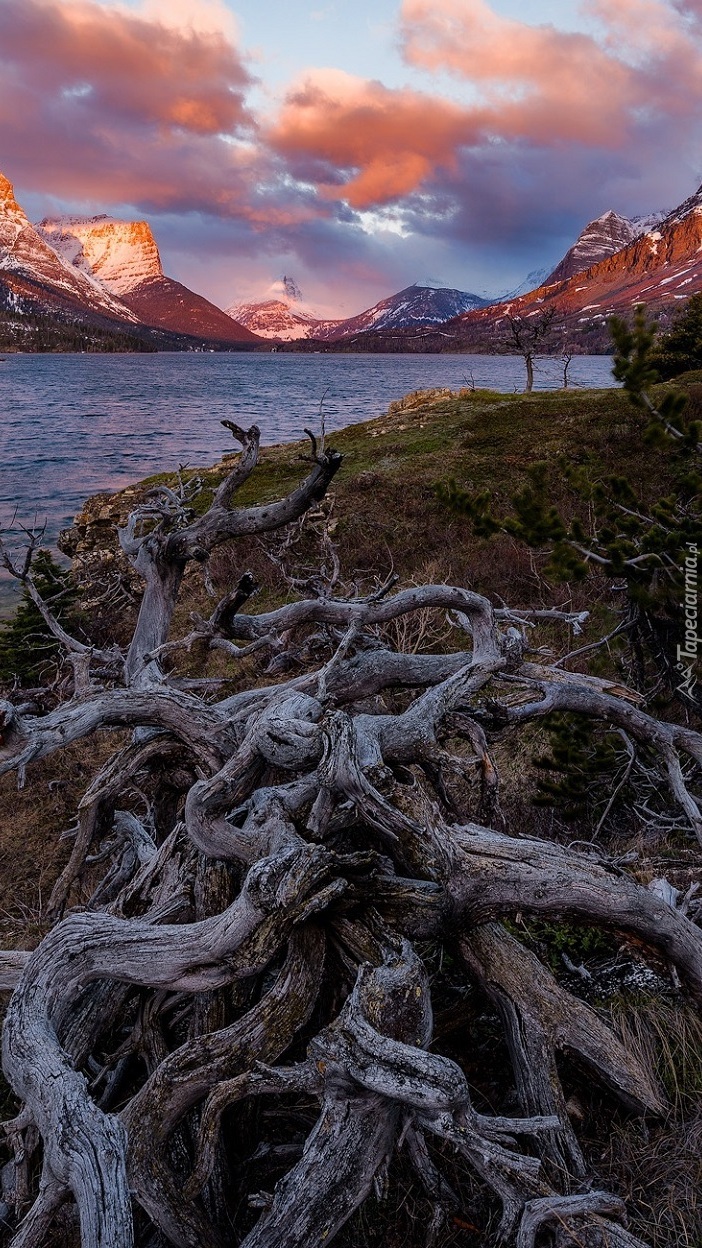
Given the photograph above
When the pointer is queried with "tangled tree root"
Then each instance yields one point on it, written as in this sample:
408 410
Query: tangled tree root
259 936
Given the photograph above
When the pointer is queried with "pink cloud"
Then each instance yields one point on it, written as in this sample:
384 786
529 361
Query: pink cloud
125 66
471 39
148 108
549 85
360 141
374 144
647 27
107 106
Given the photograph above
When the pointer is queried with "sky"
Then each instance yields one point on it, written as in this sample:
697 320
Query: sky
355 145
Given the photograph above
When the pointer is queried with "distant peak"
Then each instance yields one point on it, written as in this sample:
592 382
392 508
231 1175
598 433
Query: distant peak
292 289
285 288
431 283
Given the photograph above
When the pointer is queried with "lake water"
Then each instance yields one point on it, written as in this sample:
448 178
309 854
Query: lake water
74 425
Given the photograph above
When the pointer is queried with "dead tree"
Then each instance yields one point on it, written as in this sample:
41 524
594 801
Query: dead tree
260 935
525 335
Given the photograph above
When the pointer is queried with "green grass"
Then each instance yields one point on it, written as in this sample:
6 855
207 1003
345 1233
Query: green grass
384 497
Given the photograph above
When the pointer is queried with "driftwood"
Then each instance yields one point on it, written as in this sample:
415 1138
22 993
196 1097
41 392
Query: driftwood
262 948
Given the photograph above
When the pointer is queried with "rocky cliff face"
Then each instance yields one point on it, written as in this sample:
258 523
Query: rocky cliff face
600 238
34 269
119 254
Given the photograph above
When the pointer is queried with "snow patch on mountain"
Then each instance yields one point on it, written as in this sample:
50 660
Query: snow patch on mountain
532 281
274 319
281 314
651 221
286 317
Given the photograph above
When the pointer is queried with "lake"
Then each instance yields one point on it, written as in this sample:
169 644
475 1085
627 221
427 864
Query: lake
75 425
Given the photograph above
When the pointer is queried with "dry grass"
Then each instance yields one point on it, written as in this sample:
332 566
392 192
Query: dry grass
657 1166
32 821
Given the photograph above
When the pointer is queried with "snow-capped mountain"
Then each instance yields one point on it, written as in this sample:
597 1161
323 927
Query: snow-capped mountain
121 259
119 254
83 268
651 221
660 268
415 306
281 314
600 238
536 278
33 269
284 317
273 319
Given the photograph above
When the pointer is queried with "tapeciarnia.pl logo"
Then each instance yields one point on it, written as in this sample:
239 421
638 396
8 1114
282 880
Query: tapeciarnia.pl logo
687 653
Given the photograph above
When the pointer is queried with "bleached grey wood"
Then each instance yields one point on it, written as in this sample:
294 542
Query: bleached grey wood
12 964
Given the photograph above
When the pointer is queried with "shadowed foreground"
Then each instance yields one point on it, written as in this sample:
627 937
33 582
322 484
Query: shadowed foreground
273 867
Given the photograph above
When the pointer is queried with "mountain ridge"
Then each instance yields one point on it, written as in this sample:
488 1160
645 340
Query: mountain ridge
109 272
601 237
105 272
660 268
416 305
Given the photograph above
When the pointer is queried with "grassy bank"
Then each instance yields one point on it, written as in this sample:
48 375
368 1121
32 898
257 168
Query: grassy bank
387 515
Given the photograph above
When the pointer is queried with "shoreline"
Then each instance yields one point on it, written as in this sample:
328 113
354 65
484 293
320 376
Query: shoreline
206 462
418 434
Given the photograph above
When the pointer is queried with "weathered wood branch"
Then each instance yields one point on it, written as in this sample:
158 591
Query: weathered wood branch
541 1019
79 1139
187 1075
565 691
495 875
26 738
160 555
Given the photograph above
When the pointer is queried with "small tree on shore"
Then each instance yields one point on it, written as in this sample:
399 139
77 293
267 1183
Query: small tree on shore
526 333
638 542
